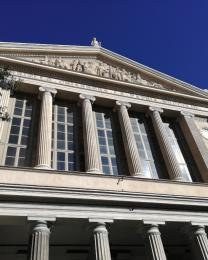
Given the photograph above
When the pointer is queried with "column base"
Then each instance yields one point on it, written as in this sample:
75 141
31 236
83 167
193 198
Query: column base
43 167
94 171
180 179
139 175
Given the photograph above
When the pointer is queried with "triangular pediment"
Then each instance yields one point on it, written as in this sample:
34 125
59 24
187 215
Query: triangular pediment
100 63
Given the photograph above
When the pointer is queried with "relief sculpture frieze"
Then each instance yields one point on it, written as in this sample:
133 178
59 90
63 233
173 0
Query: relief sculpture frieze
99 68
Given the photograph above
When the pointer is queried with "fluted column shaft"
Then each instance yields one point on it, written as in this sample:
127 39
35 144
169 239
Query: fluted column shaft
154 244
199 243
165 145
39 248
91 146
45 128
130 146
4 102
101 242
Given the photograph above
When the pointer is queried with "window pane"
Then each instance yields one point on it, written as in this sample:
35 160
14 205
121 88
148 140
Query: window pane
10 161
13 139
60 156
16 121
11 151
15 130
18 111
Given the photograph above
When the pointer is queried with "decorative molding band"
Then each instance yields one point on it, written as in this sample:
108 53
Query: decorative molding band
111 94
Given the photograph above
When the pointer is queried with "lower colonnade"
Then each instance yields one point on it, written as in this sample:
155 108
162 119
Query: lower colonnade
101 244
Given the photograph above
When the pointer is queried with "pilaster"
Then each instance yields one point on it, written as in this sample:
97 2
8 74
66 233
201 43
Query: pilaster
195 142
4 102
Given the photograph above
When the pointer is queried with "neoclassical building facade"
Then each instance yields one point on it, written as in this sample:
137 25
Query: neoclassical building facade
100 158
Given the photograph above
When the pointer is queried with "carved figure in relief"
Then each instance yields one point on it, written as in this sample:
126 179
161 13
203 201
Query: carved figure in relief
79 67
58 62
126 75
106 71
74 64
157 85
100 69
92 68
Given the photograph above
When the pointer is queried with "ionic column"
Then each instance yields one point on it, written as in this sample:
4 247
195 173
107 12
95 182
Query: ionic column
195 142
130 146
4 102
39 247
155 249
91 146
165 146
199 241
101 242
45 128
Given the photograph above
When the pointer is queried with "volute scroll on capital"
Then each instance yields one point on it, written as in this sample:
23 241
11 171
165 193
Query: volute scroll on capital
43 89
83 97
120 104
156 109
186 114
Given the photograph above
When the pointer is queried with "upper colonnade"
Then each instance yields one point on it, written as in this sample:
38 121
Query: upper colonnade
94 75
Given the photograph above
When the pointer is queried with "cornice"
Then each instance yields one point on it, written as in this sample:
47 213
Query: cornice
91 50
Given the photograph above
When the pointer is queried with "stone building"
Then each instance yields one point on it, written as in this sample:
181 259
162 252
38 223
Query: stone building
101 158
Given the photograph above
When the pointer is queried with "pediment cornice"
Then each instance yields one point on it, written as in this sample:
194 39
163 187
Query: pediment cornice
97 62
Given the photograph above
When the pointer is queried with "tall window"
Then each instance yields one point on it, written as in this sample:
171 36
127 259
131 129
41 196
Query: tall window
149 152
18 144
67 150
110 143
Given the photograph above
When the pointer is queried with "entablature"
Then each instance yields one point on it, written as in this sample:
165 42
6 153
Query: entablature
110 94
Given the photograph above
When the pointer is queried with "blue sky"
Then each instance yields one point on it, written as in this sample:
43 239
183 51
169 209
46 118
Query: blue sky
168 35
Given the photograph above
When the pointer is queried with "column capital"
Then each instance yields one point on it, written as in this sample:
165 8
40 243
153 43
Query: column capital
41 226
83 97
119 104
42 89
187 114
158 109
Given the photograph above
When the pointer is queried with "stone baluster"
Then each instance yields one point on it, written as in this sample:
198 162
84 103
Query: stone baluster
45 128
165 145
196 144
199 242
155 249
39 247
130 146
91 146
4 102
101 242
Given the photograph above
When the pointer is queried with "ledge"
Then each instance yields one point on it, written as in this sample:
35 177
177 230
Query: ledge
34 184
